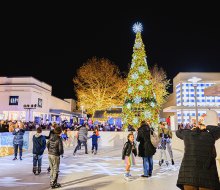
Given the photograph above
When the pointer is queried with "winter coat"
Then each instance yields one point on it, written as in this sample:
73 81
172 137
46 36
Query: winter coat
94 138
83 132
18 137
64 137
127 149
55 146
39 144
198 167
145 147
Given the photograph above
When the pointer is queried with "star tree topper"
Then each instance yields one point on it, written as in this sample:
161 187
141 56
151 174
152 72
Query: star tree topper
137 27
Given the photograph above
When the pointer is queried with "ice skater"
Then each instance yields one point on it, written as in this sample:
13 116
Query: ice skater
128 154
165 135
94 138
55 150
65 139
51 134
82 139
18 140
39 145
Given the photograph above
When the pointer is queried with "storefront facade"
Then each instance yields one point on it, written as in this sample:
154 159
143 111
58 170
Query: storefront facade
28 99
182 104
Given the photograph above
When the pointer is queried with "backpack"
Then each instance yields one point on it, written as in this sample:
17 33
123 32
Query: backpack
155 140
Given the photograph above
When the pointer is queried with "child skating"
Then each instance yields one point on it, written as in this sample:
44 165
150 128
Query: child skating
94 138
39 145
128 154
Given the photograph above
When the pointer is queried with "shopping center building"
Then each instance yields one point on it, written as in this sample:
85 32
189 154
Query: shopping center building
181 103
28 99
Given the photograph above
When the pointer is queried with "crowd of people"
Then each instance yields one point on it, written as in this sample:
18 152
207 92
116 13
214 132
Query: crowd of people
7 125
198 168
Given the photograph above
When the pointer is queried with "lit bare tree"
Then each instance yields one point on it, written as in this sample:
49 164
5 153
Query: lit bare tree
99 85
160 83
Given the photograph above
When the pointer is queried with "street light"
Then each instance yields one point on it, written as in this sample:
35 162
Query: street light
29 108
82 111
194 81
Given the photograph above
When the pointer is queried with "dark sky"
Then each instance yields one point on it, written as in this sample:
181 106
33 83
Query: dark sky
53 44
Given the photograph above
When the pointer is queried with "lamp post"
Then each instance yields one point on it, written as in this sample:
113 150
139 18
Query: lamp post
82 111
194 81
29 108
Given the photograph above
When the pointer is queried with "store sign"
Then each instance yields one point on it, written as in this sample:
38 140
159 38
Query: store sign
13 100
40 102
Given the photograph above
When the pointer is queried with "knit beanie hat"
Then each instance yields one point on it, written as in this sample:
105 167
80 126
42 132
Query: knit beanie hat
58 130
211 118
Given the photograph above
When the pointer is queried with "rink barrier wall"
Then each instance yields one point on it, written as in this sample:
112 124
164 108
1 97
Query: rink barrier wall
108 139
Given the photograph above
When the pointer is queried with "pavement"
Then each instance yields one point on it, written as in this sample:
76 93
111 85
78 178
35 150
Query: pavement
104 171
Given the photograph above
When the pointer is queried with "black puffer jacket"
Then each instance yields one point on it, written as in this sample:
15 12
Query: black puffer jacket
198 166
55 146
127 149
145 147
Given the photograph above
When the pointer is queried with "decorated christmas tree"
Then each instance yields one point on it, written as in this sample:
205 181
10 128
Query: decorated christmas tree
140 102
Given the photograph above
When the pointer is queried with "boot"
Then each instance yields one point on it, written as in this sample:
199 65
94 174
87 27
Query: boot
34 170
39 170
172 162
48 169
55 184
52 185
167 163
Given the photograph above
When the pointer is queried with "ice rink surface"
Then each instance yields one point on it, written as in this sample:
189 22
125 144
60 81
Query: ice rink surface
104 171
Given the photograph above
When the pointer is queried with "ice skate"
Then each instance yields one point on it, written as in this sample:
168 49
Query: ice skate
34 170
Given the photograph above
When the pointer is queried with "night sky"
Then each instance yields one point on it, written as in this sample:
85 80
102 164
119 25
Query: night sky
54 44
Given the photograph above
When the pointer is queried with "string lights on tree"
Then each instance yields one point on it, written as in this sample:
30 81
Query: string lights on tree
140 102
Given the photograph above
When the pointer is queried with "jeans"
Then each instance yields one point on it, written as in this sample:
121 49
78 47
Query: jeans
148 165
79 145
163 154
37 160
169 148
95 146
16 146
54 167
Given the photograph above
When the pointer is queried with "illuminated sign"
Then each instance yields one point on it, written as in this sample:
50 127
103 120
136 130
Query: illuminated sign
13 100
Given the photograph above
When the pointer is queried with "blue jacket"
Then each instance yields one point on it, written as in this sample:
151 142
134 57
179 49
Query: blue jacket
94 139
39 144
18 137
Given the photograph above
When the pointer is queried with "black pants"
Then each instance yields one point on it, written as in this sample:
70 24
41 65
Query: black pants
79 145
95 146
16 146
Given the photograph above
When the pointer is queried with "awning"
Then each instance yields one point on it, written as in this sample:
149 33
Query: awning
59 112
